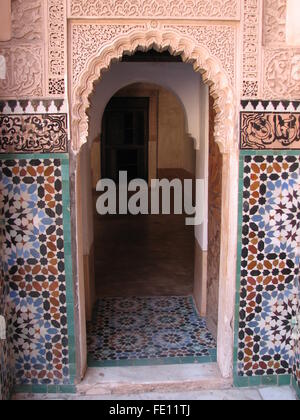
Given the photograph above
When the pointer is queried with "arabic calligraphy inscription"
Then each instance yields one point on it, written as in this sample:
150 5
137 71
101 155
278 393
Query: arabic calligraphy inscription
270 131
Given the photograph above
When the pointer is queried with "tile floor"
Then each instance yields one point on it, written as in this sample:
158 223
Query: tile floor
148 330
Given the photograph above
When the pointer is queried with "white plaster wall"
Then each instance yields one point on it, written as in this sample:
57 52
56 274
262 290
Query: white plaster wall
180 78
201 232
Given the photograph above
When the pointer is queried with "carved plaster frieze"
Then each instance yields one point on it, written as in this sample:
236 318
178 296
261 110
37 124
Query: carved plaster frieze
282 74
24 54
192 9
33 133
89 39
220 40
273 106
56 25
33 106
251 48
24 75
274 27
112 49
269 130
27 20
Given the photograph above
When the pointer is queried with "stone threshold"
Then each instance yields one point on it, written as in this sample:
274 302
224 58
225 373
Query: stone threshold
159 378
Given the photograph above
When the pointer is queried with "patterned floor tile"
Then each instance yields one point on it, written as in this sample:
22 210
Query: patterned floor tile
139 329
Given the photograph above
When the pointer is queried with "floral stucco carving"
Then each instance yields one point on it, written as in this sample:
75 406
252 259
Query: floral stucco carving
24 53
220 40
192 9
24 76
33 133
274 27
88 39
282 73
203 60
27 20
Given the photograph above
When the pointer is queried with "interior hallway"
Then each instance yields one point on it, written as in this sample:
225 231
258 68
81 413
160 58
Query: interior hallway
143 256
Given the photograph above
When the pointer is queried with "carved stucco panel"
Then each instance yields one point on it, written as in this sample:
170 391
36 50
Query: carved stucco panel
251 48
33 133
192 9
89 39
27 20
24 76
56 29
282 74
24 53
274 27
220 40
146 38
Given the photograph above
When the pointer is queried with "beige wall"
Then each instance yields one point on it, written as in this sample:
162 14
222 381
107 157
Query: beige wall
87 239
175 148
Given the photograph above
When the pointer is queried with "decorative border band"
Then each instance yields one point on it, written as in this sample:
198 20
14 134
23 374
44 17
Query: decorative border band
34 106
270 106
33 133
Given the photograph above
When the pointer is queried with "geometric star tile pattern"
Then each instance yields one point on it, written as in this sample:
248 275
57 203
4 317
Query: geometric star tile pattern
137 329
6 357
34 267
296 367
269 288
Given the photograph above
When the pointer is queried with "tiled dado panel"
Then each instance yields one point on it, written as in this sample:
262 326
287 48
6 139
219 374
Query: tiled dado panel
268 266
37 266
268 271
296 367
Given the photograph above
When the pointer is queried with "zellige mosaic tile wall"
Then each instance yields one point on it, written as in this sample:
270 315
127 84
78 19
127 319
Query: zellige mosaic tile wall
37 265
6 356
268 255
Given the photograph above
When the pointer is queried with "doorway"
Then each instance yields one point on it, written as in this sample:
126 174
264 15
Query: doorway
125 138
145 311
84 136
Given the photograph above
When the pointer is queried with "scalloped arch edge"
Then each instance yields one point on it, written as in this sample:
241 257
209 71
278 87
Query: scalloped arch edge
212 72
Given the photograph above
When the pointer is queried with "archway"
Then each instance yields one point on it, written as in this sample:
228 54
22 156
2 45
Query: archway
225 122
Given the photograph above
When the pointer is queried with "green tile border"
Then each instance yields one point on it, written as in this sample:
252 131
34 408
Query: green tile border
261 381
69 387
245 381
296 387
28 156
68 266
45 389
152 362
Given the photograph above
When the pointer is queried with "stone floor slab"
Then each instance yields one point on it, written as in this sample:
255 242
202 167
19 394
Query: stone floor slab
245 394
